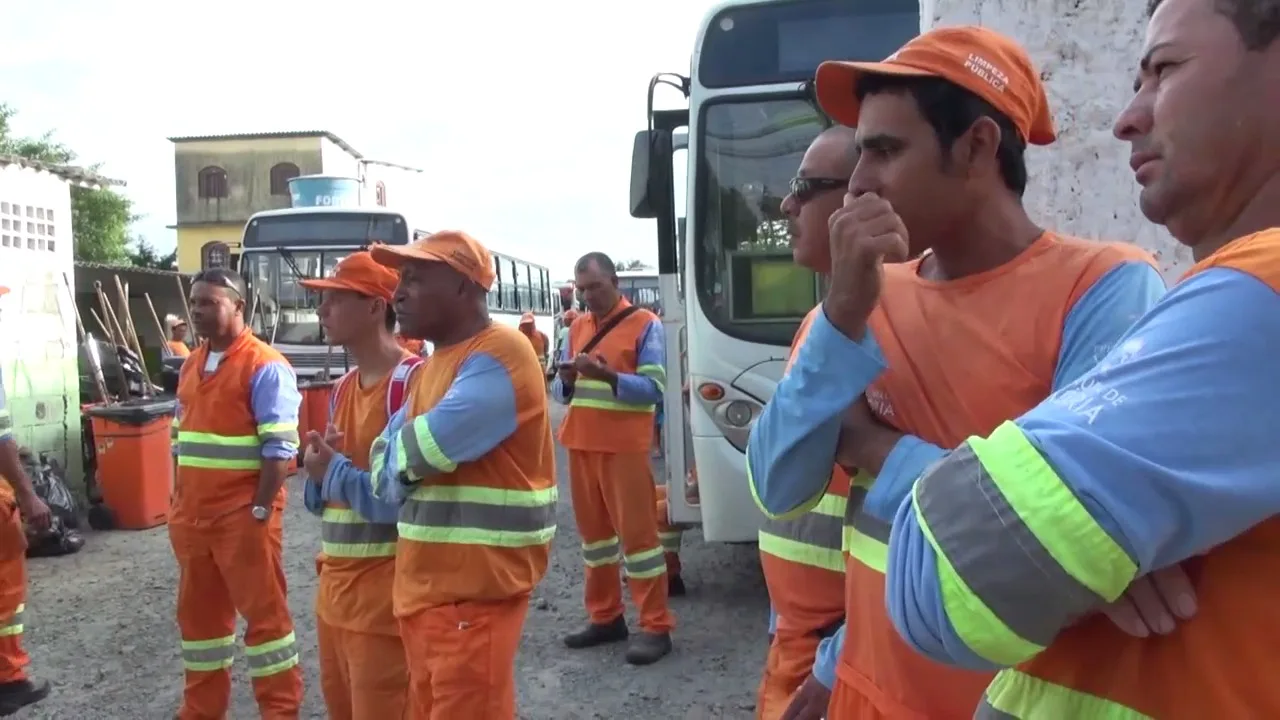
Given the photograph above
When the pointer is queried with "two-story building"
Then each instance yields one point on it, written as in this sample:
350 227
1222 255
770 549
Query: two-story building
222 180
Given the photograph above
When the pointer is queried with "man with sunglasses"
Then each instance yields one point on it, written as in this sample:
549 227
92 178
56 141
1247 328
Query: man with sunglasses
907 359
800 556
235 431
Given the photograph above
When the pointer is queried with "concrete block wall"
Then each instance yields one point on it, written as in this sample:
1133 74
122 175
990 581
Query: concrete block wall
1087 52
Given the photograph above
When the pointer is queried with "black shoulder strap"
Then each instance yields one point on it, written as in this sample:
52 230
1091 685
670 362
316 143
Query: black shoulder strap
607 328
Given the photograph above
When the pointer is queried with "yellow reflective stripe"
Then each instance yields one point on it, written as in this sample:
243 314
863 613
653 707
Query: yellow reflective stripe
1012 544
417 453
602 552
670 540
598 395
1014 694
811 539
13 625
377 464
344 533
645 564
469 515
657 373
273 657
283 431
218 452
800 553
209 655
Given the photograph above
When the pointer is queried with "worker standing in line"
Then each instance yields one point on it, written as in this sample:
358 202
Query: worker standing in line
363 672
236 429
801 555
537 338
1003 551
176 344
940 353
18 503
562 335
611 375
470 460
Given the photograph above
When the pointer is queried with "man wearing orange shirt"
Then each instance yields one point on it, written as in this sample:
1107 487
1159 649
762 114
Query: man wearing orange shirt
363 672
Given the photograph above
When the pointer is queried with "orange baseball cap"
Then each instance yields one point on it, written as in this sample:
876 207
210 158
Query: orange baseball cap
359 272
984 62
454 248
4 290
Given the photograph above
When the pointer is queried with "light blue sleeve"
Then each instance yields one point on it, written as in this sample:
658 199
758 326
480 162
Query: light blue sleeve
773 619
474 416
651 352
1102 315
273 393
792 446
385 473
827 657
558 390
348 484
1199 367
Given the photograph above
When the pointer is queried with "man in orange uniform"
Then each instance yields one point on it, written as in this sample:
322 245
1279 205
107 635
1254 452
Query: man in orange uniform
536 337
800 556
612 374
236 430
918 355
470 461
176 344
362 667
18 501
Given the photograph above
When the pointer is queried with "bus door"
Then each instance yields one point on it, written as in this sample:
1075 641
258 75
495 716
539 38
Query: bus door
658 170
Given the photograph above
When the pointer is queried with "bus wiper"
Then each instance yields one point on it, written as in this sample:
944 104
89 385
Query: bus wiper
293 266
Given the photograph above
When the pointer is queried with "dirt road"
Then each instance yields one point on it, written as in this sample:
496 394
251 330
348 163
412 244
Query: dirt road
100 626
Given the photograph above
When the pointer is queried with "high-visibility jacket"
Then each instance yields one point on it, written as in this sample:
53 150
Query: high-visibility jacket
357 559
597 421
482 530
219 441
801 556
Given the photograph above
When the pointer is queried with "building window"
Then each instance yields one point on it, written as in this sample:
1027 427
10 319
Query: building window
212 182
380 194
215 255
281 174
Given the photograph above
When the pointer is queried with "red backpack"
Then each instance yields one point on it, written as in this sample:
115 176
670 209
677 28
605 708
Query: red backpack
396 390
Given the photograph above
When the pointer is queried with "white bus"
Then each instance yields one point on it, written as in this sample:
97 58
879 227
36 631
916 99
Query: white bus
282 247
735 304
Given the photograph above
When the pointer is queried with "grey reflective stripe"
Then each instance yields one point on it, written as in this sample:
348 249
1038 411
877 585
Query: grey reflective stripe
415 462
219 452
601 555
986 712
987 543
357 533
479 516
871 526
16 618
670 540
289 436
811 528
606 395
857 494
211 657
650 564
263 661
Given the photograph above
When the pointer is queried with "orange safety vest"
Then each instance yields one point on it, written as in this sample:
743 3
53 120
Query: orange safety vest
482 531
178 348
1217 665
597 421
219 440
801 557
357 558
943 391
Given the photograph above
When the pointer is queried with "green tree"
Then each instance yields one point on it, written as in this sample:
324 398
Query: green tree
144 254
100 218
632 265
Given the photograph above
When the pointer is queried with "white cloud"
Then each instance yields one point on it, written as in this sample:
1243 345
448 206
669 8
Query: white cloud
522 114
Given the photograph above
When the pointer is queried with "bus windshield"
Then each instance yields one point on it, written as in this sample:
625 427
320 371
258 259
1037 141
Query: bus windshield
640 290
746 281
283 310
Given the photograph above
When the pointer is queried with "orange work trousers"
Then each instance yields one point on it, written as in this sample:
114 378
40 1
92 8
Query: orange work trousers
228 565
613 494
462 659
13 592
363 675
787 666
668 534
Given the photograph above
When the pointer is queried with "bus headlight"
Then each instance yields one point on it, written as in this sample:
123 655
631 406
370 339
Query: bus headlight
738 413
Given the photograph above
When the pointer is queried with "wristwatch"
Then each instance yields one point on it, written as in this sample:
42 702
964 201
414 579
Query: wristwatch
260 512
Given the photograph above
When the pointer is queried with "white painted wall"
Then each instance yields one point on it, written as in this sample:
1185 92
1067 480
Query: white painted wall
404 192
38 353
1088 52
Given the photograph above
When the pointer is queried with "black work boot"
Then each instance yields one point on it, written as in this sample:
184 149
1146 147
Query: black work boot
20 693
594 634
675 586
647 648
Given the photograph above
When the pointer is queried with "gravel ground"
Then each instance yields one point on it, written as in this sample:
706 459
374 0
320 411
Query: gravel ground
100 626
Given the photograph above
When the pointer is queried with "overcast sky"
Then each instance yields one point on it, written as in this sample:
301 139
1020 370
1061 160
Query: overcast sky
522 114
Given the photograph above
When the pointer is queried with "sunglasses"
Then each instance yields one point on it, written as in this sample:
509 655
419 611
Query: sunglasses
804 189
219 280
